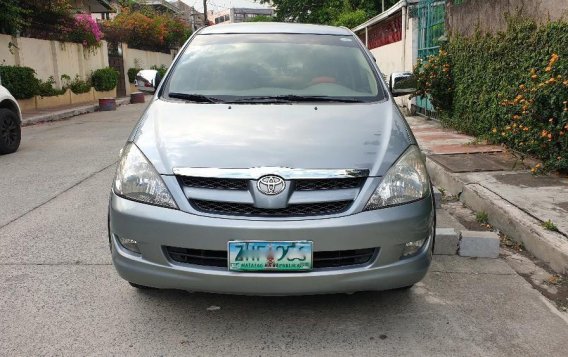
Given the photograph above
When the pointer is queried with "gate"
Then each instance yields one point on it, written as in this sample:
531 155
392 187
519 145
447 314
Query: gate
116 61
431 26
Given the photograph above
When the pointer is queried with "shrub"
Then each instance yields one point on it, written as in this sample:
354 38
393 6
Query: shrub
161 70
79 86
105 79
510 87
434 79
132 72
46 89
538 116
20 81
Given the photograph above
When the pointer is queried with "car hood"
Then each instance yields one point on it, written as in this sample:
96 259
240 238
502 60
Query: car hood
307 136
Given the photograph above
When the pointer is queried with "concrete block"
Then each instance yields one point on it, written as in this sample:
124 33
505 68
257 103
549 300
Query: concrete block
479 244
437 197
447 240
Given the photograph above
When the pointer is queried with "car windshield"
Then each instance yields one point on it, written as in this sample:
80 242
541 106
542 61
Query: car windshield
273 67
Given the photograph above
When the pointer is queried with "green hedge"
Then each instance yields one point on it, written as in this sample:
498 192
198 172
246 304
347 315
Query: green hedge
161 70
132 72
510 88
20 81
484 66
105 79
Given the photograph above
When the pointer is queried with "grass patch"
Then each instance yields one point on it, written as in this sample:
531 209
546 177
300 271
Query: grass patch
482 217
550 226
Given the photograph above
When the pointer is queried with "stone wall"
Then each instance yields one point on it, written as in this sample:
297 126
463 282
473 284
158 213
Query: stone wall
466 16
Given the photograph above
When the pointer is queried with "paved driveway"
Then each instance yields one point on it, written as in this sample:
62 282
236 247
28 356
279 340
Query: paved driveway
59 295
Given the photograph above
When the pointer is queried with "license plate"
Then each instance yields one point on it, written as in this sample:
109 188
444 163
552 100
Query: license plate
270 256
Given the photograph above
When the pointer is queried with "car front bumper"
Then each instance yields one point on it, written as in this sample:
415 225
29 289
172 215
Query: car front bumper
388 229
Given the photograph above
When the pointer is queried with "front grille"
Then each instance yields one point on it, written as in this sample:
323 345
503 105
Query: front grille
294 210
215 183
329 184
218 258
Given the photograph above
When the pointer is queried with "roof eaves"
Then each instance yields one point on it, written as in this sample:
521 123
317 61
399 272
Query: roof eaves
383 15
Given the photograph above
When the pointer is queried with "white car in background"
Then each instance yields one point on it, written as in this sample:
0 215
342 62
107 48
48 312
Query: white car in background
10 122
147 80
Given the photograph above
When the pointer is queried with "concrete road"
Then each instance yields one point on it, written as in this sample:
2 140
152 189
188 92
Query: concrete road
60 295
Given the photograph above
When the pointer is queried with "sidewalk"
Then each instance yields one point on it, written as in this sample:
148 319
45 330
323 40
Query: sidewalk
46 115
489 179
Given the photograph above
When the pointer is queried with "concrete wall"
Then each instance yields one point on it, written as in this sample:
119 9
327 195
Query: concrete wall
52 58
144 59
400 56
470 15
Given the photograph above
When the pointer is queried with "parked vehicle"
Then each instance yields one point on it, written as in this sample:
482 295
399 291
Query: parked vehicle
10 122
147 80
273 160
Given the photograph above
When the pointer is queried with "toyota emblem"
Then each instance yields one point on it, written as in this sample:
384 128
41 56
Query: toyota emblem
271 185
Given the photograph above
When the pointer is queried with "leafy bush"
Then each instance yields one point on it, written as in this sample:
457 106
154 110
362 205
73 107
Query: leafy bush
434 79
20 81
538 116
105 79
509 87
79 86
132 72
161 70
46 89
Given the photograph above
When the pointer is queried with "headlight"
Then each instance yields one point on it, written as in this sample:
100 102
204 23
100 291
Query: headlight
137 180
406 181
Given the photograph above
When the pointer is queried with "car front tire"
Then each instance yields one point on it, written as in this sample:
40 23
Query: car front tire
10 131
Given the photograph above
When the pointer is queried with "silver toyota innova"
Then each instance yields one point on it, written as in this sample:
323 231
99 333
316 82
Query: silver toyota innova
273 160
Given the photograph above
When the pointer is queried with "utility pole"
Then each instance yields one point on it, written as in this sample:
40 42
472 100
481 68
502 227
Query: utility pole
383 2
205 13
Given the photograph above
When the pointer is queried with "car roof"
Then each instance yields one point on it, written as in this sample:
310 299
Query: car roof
274 27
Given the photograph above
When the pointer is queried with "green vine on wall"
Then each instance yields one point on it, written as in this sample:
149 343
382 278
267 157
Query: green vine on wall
510 87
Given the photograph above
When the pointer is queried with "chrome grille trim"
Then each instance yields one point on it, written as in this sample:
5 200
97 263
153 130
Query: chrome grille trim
257 172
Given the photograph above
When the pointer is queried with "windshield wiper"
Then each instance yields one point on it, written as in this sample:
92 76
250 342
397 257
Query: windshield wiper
296 98
197 98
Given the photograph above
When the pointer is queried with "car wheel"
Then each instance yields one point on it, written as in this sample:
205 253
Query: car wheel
10 131
141 287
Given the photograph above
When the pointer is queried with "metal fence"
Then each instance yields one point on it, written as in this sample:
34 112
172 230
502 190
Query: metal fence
431 27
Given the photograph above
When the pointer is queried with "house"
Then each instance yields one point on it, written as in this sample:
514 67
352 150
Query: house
234 14
193 17
99 9
160 5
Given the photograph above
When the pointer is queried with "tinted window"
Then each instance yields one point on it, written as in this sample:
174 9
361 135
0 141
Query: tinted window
249 65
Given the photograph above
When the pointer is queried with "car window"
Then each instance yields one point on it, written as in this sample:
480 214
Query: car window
249 65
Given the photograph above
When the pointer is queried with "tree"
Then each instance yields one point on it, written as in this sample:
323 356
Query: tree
261 18
11 17
344 12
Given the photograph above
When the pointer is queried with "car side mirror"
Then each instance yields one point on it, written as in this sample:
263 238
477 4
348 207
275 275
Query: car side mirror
402 83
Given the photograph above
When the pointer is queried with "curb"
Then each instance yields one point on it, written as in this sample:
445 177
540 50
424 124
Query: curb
68 113
550 247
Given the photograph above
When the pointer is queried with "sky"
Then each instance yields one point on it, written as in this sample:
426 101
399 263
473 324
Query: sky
224 4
